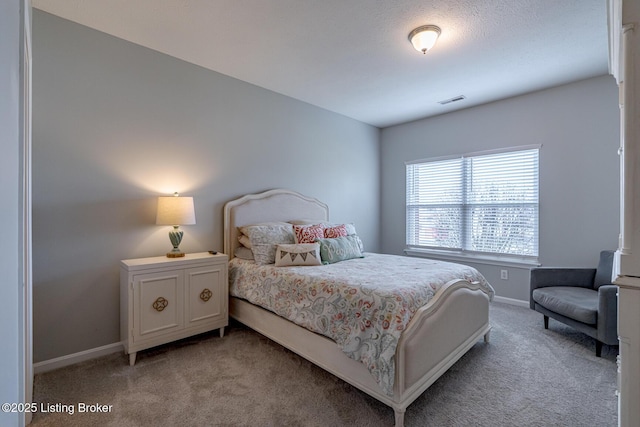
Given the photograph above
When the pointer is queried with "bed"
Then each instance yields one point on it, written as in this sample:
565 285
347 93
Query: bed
435 336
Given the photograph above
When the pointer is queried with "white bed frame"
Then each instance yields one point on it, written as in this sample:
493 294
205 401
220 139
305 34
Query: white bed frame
439 334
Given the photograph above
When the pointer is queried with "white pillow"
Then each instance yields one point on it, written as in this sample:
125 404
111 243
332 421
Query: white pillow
243 229
264 239
243 253
298 254
244 241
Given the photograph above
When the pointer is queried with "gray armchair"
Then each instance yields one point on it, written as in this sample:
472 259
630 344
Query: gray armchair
582 298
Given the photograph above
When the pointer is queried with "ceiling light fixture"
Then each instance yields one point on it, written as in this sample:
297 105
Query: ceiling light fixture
423 38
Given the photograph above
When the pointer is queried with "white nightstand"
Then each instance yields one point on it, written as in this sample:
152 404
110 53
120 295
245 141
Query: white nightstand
164 299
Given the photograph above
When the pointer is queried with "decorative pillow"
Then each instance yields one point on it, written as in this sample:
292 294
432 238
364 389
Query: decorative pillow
298 254
264 239
244 241
308 233
335 231
243 253
340 249
351 229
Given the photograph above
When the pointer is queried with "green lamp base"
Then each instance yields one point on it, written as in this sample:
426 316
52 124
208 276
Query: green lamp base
175 236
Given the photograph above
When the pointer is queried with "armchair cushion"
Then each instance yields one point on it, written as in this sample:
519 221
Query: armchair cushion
577 303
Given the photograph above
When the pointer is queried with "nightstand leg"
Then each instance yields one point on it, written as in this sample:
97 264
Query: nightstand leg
132 358
222 332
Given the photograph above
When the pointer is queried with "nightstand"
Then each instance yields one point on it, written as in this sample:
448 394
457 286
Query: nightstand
165 299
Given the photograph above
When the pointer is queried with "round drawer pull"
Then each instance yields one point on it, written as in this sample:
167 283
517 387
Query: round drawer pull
205 295
160 304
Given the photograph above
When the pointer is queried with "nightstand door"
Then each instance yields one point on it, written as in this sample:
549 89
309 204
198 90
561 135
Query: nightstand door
206 295
159 304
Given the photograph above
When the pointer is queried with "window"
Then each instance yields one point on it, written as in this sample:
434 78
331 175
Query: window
485 203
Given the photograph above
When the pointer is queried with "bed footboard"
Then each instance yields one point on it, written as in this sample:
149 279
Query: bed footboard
438 335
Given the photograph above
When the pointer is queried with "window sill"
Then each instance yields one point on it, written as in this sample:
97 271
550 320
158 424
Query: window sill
506 261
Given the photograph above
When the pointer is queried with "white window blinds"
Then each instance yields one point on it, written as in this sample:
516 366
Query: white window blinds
485 203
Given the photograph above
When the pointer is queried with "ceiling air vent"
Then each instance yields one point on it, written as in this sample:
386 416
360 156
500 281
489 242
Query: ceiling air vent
450 100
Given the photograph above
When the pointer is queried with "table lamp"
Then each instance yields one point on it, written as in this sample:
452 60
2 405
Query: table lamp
175 211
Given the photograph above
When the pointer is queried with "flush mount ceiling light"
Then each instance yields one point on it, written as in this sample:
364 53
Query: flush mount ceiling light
423 38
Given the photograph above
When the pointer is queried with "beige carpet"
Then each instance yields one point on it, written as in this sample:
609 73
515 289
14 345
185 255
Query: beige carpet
526 376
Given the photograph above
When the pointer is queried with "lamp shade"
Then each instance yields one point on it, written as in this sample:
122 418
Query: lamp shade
175 211
423 38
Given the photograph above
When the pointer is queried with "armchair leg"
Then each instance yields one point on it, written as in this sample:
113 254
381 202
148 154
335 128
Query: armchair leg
546 322
598 348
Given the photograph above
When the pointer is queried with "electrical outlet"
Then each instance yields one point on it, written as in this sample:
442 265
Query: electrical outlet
504 274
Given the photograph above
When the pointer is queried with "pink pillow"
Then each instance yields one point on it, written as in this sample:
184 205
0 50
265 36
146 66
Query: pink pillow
308 233
336 231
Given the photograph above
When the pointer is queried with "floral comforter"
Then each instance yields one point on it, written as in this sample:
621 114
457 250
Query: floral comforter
362 304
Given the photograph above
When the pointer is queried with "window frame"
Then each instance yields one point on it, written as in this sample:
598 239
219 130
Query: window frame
465 253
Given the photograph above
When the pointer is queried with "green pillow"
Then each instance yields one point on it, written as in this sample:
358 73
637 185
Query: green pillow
340 249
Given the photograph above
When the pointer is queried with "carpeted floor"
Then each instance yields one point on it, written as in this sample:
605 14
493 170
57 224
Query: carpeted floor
526 376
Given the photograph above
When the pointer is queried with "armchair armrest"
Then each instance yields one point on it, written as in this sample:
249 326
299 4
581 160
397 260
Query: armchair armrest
608 314
542 277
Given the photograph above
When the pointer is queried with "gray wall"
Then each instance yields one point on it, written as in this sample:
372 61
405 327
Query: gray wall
578 127
116 125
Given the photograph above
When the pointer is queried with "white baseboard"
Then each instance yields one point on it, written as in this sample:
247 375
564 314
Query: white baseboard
72 359
518 302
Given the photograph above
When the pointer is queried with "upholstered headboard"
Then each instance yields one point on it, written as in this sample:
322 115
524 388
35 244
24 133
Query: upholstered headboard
272 205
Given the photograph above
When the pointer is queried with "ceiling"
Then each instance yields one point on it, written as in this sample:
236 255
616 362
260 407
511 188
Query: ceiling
353 56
